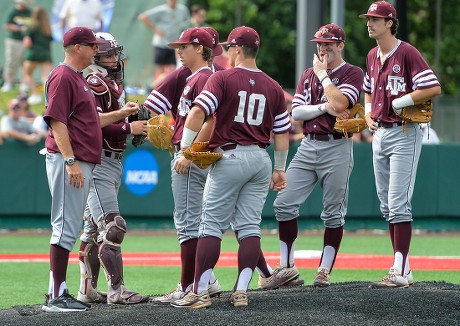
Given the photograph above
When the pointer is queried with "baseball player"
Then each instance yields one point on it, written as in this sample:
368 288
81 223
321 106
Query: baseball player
325 91
247 106
195 50
73 147
104 227
396 76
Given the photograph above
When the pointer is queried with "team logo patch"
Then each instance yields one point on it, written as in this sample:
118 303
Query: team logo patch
396 68
252 82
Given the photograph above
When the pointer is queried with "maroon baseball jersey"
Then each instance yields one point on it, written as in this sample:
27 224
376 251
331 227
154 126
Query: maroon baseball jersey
403 71
110 96
166 96
346 77
69 100
247 105
195 84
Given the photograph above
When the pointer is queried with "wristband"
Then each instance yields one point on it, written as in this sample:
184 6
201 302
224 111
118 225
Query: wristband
280 160
403 101
367 108
321 75
326 82
188 135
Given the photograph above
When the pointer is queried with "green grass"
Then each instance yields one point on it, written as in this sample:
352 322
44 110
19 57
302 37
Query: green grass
26 283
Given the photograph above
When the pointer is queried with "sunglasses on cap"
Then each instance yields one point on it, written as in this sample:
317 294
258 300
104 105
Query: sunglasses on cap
91 45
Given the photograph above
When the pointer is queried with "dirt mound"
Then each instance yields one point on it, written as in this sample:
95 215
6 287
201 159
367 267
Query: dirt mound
424 303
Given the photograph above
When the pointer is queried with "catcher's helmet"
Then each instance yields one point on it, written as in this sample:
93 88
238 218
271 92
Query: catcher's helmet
109 47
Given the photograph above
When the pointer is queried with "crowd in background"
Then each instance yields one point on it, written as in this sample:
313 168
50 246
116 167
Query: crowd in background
28 47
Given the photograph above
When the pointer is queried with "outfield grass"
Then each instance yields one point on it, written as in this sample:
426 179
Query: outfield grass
26 283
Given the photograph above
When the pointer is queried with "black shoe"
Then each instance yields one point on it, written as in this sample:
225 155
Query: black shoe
64 303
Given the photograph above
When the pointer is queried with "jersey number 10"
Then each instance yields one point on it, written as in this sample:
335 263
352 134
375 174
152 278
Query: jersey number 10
252 108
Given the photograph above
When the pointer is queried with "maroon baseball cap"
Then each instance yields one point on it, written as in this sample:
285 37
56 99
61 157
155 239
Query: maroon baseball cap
79 35
380 9
216 47
245 36
329 33
193 35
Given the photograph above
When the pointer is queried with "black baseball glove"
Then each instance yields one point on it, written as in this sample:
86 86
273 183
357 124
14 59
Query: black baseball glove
143 114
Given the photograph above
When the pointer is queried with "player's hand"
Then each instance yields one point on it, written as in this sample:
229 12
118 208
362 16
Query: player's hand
182 165
75 175
139 128
345 114
278 181
320 63
371 124
129 109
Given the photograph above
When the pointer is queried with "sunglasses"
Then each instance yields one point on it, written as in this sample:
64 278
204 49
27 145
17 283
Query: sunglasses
91 45
231 46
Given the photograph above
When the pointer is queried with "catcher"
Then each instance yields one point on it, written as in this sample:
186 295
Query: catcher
104 227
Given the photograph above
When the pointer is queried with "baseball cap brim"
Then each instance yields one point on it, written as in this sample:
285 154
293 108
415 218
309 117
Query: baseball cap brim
372 15
325 40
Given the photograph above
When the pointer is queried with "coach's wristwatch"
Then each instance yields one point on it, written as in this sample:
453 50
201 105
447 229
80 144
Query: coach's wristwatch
69 161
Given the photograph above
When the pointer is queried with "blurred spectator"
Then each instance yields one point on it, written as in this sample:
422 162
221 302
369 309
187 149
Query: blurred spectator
40 127
430 137
15 125
16 24
165 22
37 41
24 99
86 13
197 19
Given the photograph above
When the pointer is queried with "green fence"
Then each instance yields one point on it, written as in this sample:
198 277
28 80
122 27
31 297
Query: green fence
25 190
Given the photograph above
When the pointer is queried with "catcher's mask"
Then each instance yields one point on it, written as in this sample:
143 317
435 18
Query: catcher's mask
109 47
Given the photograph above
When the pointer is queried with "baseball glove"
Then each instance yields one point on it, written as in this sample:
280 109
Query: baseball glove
419 113
352 125
143 114
200 155
160 134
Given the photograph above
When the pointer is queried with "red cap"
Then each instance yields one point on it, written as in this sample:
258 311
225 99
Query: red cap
14 104
329 33
78 35
380 9
193 35
216 48
245 36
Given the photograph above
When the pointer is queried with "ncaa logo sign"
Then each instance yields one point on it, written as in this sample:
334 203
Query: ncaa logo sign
140 172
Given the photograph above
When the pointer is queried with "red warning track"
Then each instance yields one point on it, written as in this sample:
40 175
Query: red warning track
229 259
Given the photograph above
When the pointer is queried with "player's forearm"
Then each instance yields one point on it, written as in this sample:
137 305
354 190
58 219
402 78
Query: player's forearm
281 149
308 112
61 136
206 129
192 126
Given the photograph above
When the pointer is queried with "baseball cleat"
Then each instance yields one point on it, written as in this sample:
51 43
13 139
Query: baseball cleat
64 303
125 296
393 279
322 278
239 298
214 289
193 300
92 297
295 282
169 297
410 278
280 276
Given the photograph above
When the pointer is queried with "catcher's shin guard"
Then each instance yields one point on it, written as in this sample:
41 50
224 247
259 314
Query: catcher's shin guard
89 273
112 261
